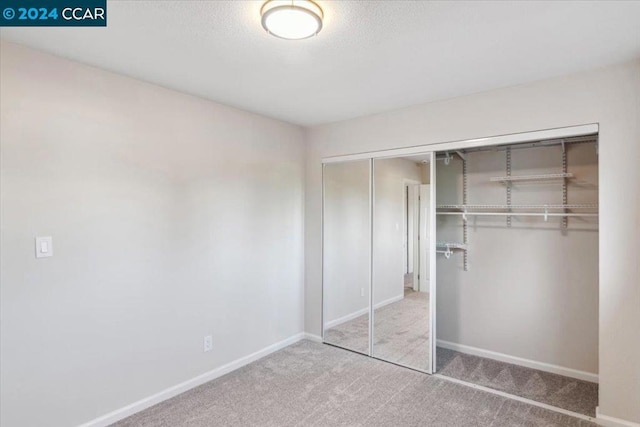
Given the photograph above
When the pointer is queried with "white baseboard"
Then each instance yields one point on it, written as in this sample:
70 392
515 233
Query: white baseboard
170 392
389 301
311 337
547 367
345 319
361 312
607 421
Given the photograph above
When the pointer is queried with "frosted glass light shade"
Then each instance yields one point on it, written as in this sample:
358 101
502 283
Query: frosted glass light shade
292 19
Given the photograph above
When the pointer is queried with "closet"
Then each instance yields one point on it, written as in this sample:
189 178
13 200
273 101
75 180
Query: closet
517 229
473 260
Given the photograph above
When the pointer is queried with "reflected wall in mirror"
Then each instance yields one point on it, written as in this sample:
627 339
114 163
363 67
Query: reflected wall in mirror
347 254
401 245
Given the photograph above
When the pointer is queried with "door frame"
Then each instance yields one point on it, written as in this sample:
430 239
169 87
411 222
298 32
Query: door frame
406 184
512 138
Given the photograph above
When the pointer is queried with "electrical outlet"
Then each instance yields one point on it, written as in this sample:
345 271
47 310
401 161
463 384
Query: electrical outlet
361 292
208 343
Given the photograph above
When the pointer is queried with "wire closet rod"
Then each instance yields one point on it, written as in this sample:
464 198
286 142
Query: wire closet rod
518 214
568 206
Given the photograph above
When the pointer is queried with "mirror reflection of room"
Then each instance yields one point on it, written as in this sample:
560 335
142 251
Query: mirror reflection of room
401 261
347 254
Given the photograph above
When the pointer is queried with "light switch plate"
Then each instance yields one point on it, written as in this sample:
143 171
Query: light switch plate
44 247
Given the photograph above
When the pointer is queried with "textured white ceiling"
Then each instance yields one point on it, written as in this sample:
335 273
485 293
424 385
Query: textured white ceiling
371 56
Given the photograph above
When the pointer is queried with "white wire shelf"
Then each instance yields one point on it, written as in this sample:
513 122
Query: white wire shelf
543 214
517 207
541 177
508 210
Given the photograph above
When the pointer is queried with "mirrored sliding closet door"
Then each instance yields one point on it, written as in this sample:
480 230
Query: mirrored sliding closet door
347 254
378 253
402 219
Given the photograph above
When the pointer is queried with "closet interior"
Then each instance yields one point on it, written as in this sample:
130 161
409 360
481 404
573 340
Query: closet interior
517 231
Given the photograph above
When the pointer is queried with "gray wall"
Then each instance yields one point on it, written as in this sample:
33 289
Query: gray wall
172 218
531 290
610 97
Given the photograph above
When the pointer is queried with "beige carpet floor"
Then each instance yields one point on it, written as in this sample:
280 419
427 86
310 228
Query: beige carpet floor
400 335
352 335
557 390
311 384
401 331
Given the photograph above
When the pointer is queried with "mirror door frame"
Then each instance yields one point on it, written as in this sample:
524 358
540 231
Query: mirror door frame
432 263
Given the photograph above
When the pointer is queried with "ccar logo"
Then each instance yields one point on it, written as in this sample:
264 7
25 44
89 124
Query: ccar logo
79 13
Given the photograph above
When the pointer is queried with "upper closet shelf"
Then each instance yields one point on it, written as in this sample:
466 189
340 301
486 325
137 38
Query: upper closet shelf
541 177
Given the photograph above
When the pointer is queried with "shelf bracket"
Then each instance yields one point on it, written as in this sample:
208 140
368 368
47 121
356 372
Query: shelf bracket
564 186
465 231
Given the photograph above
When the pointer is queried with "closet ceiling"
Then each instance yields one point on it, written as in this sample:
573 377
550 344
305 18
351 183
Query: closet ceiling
371 56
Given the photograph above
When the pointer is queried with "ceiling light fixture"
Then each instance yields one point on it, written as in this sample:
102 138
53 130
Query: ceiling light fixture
292 19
